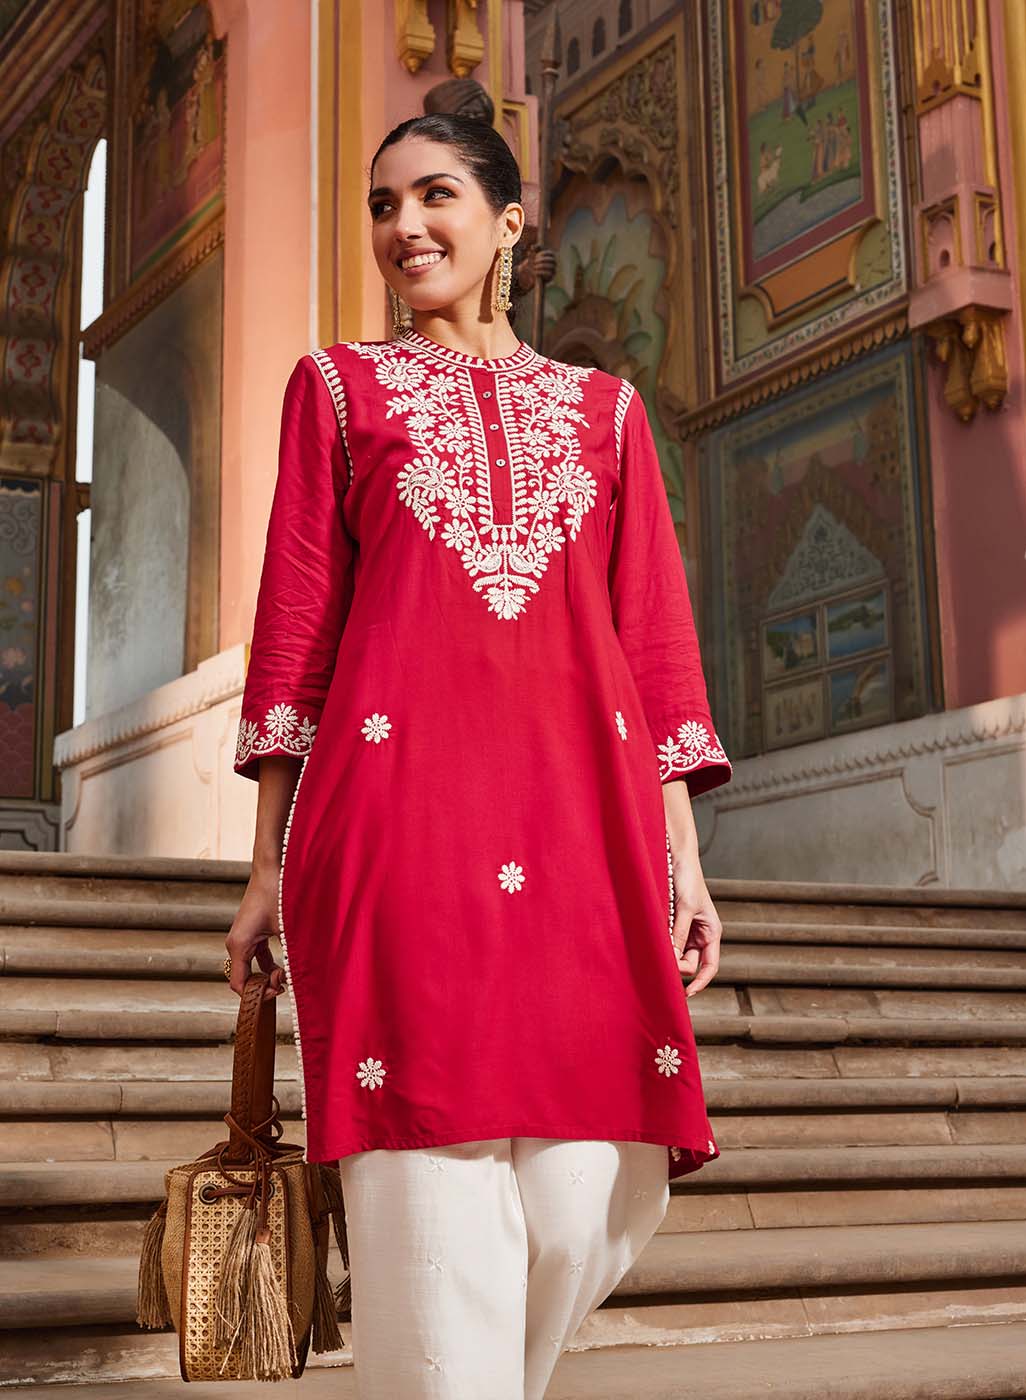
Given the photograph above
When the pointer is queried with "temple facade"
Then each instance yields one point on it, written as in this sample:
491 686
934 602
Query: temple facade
798 229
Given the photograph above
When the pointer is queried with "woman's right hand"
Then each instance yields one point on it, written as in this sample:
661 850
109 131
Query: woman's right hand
254 924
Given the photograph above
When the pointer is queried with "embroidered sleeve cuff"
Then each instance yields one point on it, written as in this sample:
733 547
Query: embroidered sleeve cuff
693 751
281 729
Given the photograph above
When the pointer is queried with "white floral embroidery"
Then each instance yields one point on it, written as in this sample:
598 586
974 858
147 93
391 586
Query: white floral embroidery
511 876
434 1363
576 1176
621 725
435 1264
675 1153
281 731
712 1145
691 746
668 1060
371 1074
450 468
376 727
576 1266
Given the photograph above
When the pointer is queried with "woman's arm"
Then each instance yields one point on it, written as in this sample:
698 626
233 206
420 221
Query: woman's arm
653 618
306 586
257 917
696 924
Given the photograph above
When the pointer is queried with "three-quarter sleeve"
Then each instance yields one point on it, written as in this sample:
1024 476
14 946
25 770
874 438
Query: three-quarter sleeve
652 613
305 582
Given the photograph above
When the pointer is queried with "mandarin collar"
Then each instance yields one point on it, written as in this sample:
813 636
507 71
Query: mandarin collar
521 358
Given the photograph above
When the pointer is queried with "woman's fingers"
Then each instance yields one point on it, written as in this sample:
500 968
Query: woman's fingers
699 930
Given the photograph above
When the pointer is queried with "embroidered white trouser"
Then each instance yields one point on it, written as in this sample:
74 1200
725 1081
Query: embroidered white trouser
474 1264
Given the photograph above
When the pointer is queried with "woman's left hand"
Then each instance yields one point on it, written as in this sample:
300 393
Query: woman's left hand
696 926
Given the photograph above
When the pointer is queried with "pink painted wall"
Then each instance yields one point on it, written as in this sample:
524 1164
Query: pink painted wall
267 277
979 489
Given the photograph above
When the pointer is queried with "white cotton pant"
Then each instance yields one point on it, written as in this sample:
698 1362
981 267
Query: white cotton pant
474 1264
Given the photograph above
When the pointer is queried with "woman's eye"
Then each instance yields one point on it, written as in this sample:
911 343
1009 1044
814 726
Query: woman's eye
376 209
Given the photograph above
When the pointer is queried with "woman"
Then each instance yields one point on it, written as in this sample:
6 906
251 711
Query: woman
474 642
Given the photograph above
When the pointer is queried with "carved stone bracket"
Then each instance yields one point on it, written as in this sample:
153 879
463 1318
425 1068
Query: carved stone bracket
963 292
972 345
414 33
466 47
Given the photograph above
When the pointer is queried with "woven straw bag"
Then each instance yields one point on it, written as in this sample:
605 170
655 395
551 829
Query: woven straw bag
235 1258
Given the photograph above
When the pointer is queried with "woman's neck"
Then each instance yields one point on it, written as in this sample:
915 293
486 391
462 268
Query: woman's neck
486 340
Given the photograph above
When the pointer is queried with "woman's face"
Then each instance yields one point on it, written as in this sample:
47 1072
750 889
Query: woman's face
423 200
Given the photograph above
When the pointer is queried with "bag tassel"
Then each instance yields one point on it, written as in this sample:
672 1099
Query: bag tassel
331 1182
152 1308
268 1343
326 1336
230 1291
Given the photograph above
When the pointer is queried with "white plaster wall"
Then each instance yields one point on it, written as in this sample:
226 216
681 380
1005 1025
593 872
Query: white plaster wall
939 800
139 556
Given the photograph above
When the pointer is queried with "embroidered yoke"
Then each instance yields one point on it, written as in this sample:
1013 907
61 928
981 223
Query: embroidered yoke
473 626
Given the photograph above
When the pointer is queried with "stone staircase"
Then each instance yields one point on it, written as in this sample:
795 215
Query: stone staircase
862 1236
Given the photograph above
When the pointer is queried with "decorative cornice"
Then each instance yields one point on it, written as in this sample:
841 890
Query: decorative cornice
852 754
129 308
892 326
216 679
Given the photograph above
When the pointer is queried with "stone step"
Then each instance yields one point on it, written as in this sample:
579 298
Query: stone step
84 1291
124 1138
918 1363
154 951
133 1009
110 1099
804 929
116 1229
105 1183
78 1063
873 967
117 952
738 1066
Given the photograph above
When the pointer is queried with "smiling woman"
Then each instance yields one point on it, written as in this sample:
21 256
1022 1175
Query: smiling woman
474 642
445 198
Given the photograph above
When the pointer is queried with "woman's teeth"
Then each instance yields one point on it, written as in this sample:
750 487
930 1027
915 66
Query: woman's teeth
421 260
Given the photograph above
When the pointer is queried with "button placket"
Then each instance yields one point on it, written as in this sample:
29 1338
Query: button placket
502 503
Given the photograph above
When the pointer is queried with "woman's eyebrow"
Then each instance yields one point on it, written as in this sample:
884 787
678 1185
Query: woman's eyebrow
416 184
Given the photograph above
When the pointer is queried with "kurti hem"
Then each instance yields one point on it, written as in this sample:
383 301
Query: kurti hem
693 1157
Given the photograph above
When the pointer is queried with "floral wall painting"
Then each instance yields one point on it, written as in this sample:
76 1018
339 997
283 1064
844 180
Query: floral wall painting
176 127
21 511
814 560
805 172
602 307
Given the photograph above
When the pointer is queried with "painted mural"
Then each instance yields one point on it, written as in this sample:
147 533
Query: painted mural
20 526
813 569
177 128
805 172
604 304
806 136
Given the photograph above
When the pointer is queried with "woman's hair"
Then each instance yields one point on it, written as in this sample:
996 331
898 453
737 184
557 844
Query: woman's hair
484 153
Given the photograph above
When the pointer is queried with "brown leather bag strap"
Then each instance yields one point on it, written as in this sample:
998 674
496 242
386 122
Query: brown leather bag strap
252 1067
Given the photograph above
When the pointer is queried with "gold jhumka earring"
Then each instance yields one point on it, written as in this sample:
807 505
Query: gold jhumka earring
500 299
402 316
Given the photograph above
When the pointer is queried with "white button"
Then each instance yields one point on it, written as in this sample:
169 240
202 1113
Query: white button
493 425
500 461
486 393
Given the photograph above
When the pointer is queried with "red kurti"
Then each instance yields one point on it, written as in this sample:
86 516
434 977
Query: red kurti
474 627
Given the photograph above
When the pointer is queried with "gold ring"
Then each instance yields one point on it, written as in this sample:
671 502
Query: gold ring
228 968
